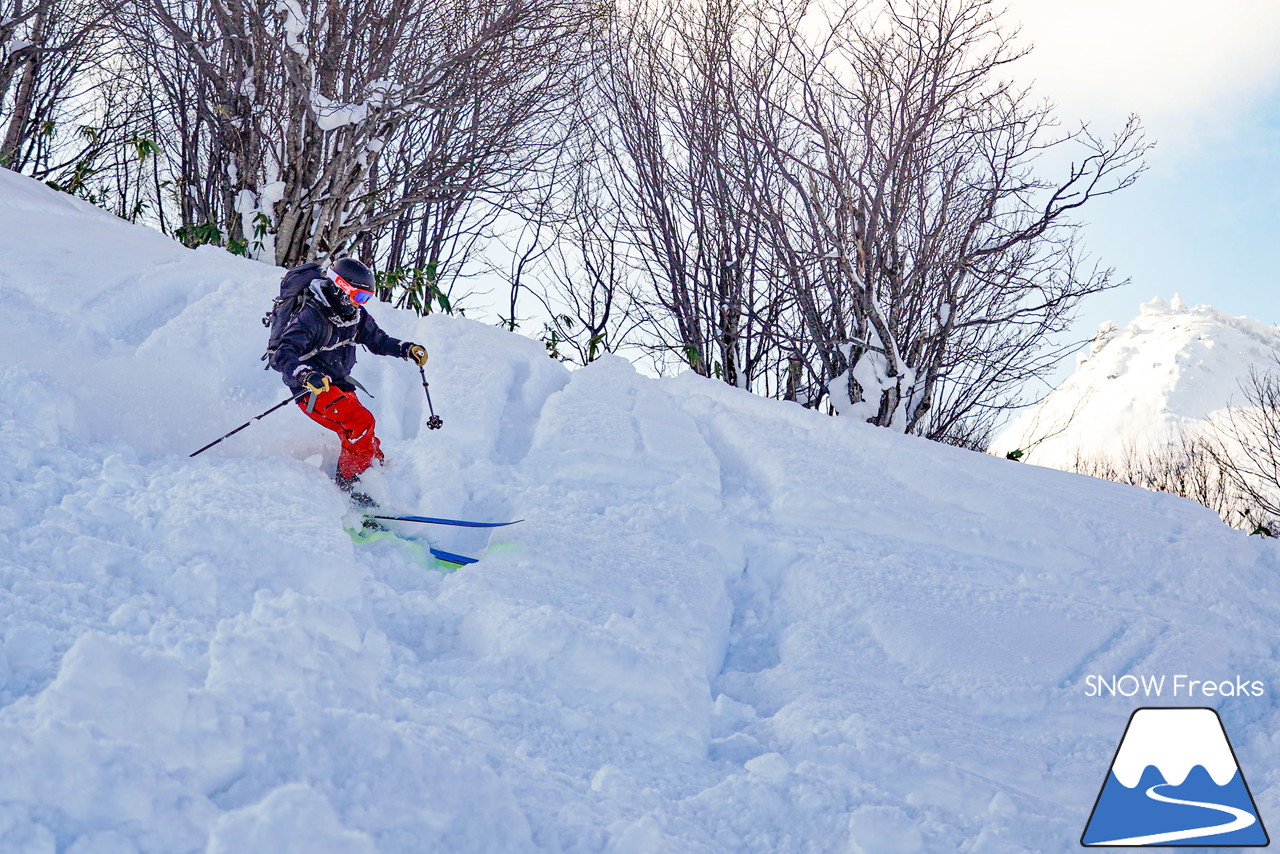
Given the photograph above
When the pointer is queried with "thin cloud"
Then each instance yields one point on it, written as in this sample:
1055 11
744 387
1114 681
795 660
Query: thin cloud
1181 65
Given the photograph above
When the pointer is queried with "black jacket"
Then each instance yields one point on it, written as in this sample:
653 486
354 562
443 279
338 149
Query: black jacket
322 339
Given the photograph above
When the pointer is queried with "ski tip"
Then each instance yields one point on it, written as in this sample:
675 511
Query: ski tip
450 557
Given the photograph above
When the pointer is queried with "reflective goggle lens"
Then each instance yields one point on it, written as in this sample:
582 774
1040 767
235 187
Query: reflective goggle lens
358 296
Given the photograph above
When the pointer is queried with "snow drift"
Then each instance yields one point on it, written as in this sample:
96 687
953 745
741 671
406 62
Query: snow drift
728 623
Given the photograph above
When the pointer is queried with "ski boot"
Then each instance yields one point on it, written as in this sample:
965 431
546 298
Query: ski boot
360 500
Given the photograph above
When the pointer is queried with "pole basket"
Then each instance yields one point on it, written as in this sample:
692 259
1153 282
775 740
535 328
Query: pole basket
435 422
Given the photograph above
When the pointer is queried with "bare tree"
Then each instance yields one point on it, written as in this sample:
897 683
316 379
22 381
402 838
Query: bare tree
1246 448
846 209
53 125
308 126
931 262
682 182
586 292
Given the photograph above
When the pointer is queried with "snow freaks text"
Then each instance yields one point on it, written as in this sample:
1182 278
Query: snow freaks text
1177 686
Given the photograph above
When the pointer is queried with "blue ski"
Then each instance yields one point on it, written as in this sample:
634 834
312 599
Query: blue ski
450 557
434 521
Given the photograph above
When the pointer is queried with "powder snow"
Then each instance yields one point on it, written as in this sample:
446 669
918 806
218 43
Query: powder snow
726 624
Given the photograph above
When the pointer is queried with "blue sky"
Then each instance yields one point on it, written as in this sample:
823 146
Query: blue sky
1205 78
1203 223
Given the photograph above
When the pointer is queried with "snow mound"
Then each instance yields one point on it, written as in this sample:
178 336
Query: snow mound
727 623
1164 375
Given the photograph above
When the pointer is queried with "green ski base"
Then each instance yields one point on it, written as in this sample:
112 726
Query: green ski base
421 551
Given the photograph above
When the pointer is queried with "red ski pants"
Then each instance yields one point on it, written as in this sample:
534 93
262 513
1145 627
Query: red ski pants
344 414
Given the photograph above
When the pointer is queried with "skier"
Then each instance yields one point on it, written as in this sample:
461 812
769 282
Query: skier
317 352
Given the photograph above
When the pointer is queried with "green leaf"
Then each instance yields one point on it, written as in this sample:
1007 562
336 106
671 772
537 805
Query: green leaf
143 147
443 299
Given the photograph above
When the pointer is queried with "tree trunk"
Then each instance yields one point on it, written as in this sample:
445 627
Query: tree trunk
19 130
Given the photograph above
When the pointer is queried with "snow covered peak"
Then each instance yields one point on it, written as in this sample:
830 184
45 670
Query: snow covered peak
1165 372
1158 305
1174 741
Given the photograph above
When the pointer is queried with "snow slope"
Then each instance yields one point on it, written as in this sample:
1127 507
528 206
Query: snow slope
727 623
1164 374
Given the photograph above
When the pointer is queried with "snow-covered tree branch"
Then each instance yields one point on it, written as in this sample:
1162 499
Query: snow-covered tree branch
324 121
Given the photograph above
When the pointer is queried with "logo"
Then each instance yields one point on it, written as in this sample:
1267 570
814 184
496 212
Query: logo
1175 781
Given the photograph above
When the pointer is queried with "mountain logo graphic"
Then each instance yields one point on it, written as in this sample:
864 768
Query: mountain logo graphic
1175 781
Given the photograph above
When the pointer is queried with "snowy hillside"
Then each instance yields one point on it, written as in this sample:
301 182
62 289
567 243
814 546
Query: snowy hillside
1135 388
726 624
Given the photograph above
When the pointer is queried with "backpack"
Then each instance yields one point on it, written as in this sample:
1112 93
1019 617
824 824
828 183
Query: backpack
293 296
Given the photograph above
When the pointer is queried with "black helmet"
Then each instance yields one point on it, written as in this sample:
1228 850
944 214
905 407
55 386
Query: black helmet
354 273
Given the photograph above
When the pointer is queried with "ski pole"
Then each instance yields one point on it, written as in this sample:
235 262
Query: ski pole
286 402
435 422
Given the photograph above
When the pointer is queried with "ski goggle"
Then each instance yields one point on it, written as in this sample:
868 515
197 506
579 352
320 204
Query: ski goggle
359 296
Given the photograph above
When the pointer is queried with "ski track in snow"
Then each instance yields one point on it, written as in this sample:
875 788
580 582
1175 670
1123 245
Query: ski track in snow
726 624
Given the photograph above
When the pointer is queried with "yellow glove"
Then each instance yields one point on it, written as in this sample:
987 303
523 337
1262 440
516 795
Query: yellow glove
416 353
315 382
